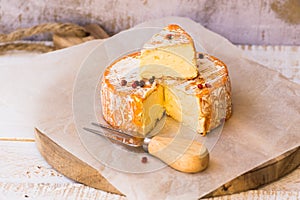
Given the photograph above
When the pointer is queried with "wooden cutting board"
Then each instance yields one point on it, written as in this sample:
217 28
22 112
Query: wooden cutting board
74 168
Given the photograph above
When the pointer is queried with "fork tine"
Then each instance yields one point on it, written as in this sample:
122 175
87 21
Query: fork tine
107 127
116 136
93 131
113 129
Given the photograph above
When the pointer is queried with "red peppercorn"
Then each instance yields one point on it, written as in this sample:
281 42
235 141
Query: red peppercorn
200 86
222 120
134 85
169 36
207 85
123 82
144 159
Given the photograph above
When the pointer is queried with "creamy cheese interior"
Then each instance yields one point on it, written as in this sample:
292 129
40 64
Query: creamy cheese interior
170 53
153 109
173 61
181 106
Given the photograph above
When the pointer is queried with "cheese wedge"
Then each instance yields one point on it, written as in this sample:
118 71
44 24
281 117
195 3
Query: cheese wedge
170 53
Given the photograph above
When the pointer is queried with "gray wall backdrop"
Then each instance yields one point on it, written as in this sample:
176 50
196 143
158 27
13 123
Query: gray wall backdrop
241 21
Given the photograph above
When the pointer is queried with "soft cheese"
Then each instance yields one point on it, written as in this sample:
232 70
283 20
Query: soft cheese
201 103
204 102
124 107
170 53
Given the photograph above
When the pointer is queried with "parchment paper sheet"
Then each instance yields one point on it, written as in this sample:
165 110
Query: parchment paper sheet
265 121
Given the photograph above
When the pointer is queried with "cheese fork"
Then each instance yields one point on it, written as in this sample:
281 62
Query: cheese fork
181 154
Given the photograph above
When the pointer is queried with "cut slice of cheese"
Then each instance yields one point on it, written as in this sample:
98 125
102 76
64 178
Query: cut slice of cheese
170 53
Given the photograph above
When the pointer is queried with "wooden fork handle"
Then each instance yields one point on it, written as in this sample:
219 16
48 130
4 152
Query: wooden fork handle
181 154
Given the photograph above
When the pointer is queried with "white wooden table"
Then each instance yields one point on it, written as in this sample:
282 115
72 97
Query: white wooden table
24 174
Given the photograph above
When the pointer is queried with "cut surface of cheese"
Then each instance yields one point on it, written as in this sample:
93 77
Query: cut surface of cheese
201 103
169 53
204 102
125 107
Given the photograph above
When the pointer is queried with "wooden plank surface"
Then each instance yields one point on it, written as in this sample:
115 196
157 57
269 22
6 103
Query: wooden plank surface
272 58
22 163
25 172
78 192
71 191
261 22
